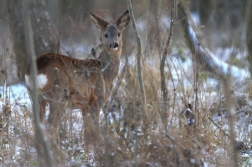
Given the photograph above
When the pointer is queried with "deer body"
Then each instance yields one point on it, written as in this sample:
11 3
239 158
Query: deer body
85 84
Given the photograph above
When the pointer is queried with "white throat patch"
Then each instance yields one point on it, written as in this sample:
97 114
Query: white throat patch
115 48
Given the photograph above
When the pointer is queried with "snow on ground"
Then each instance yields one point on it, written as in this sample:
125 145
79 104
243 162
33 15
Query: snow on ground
16 97
16 94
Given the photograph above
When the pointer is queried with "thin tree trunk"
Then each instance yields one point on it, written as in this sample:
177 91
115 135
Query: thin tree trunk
17 30
162 64
205 9
39 135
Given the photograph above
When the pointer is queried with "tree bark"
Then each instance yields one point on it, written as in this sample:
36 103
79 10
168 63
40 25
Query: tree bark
45 39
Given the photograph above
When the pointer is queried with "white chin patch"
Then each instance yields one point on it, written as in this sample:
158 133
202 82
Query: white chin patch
115 48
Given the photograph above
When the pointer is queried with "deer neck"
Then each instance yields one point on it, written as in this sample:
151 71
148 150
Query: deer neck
109 64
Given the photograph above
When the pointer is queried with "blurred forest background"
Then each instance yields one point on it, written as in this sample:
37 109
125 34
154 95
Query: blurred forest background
197 133
64 26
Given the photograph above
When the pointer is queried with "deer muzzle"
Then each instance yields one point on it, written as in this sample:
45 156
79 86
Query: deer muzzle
114 46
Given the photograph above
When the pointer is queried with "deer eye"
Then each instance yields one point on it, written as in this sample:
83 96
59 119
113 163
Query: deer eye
119 34
106 35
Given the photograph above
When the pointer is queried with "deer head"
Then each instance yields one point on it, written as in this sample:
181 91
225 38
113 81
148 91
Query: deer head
111 34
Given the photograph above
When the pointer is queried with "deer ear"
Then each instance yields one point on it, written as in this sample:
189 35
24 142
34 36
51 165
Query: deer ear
99 23
123 21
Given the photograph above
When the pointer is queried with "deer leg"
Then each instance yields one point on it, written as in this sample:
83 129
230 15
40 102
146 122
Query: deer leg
42 106
90 125
95 113
85 119
56 110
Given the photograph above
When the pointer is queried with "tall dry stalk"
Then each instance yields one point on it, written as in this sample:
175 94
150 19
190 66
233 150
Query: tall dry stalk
139 55
139 73
39 135
4 74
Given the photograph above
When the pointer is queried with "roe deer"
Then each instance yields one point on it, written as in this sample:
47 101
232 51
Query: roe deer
85 84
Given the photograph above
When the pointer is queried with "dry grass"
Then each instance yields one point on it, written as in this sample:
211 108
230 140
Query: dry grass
131 137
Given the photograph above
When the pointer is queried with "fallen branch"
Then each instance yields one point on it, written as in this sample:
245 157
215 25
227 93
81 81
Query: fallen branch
206 60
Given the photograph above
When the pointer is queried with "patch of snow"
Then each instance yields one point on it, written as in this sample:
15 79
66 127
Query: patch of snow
17 94
226 68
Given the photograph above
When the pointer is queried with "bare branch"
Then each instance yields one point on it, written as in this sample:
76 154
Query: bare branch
206 60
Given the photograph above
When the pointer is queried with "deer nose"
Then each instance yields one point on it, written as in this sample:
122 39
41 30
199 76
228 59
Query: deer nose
116 45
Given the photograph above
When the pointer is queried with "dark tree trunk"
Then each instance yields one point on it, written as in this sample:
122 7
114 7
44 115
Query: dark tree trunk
45 35
205 9
44 38
17 29
249 38
236 12
220 16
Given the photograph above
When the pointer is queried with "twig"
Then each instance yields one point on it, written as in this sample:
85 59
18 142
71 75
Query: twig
157 15
59 28
215 124
74 24
35 107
